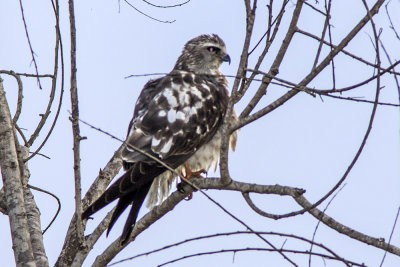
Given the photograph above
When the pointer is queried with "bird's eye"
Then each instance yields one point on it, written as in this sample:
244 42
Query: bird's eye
213 49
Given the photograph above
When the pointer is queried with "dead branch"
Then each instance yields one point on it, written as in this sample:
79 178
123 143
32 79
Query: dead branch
13 187
75 129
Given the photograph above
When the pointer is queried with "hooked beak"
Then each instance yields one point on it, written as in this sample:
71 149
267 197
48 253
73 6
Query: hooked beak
226 58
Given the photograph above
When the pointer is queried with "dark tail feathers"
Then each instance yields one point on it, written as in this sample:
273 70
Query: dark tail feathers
130 188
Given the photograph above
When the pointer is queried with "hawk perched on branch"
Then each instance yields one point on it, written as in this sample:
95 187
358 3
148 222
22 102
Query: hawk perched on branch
177 119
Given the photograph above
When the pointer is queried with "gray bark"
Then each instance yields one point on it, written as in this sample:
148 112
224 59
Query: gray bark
13 187
32 212
3 206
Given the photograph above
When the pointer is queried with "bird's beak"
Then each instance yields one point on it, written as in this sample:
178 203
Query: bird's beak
226 58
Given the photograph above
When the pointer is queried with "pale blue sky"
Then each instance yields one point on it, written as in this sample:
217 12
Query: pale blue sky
305 143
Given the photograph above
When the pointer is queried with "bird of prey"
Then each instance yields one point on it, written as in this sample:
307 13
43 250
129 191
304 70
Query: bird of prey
177 119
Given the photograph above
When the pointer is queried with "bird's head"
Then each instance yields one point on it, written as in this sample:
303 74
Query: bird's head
203 55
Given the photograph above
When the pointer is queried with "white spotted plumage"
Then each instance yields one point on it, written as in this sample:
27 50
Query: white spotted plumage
177 119
204 158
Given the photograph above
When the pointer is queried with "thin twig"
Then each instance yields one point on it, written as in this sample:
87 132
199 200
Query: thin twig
170 6
19 130
390 21
224 235
315 9
370 121
348 263
246 119
274 69
363 100
369 127
150 17
270 24
319 222
20 94
30 45
391 235
322 38
256 209
298 196
396 80
330 90
343 51
343 229
247 82
308 90
330 44
58 49
146 74
40 154
58 203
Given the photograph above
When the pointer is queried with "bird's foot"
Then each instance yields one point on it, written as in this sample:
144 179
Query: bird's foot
197 174
189 174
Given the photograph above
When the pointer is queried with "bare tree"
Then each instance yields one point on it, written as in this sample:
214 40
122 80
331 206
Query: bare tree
255 77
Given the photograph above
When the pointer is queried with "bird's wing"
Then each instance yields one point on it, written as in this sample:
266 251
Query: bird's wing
183 112
174 116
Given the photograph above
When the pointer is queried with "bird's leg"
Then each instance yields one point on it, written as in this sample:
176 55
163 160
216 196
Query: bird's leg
188 174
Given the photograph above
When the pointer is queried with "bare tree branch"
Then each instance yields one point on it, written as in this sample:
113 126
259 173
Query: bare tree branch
315 9
29 43
324 28
391 235
167 6
75 128
224 151
91 240
245 118
326 91
32 211
345 51
13 187
159 211
313 91
144 14
328 10
20 95
24 215
156 213
58 49
35 231
346 262
274 69
390 20
297 195
319 222
357 155
355 99
70 247
246 84
191 184
35 75
332 223
396 80
58 202
290 236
